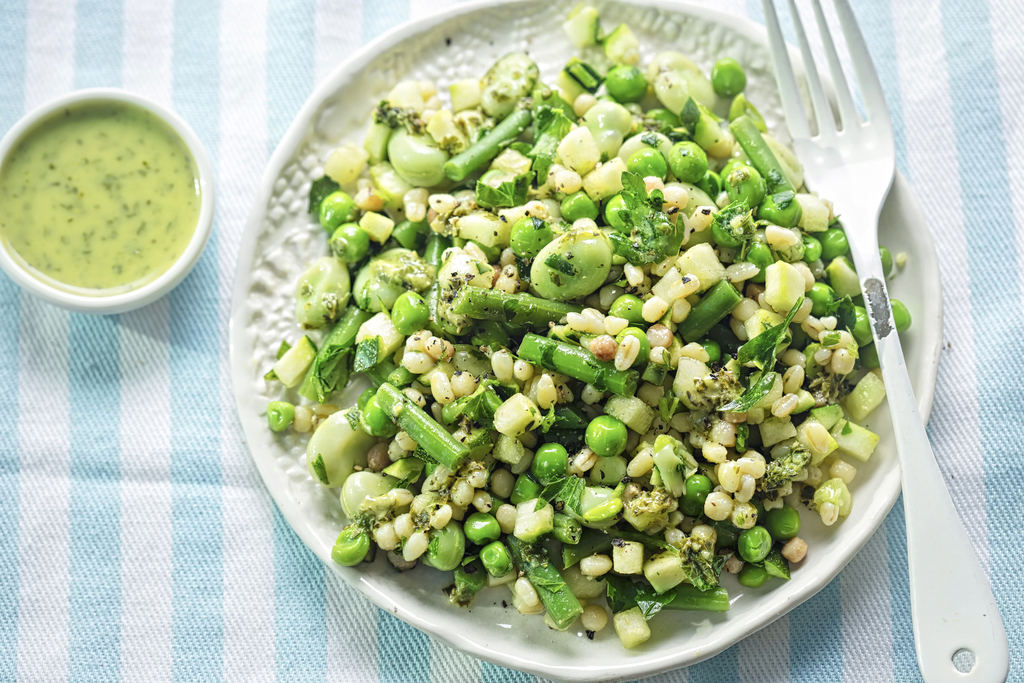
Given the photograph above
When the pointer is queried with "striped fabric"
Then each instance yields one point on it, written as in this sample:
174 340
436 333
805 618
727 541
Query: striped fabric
137 541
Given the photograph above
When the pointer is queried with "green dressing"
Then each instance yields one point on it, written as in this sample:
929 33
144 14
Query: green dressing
99 198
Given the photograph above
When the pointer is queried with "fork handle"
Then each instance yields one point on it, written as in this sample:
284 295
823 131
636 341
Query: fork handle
952 605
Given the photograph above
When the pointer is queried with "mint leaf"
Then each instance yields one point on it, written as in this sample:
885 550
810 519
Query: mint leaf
690 115
352 415
647 235
552 125
366 354
321 471
561 264
761 351
783 199
844 311
319 190
568 490
505 195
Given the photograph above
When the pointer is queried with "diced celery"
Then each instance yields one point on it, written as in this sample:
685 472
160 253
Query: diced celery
814 213
465 94
509 450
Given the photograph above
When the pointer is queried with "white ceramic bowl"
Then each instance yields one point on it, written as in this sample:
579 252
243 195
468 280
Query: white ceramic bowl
280 239
151 291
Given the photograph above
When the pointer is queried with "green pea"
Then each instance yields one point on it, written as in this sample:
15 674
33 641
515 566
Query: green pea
579 205
365 397
608 471
745 184
612 208
689 163
663 116
351 546
787 216
524 490
728 78
754 544
760 254
645 346
695 491
606 436
550 462
646 162
752 576
626 83
869 356
731 165
375 421
713 348
410 313
900 314
886 256
861 326
280 415
834 243
711 183
447 548
629 307
822 296
335 209
481 528
469 579
782 523
529 236
812 248
349 243
496 559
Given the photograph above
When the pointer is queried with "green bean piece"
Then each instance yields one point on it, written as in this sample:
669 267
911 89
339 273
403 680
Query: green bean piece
782 523
410 313
379 373
464 163
424 430
741 106
728 78
606 436
689 163
496 559
349 243
717 303
411 235
447 547
516 309
901 315
754 544
280 415
752 576
336 208
579 363
401 377
626 83
532 560
690 598
351 547
763 159
567 529
591 542
436 244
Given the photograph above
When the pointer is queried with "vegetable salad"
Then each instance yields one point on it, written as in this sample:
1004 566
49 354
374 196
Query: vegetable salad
613 342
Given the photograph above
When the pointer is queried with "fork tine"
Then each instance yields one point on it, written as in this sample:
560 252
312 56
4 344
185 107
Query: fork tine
863 66
823 110
792 105
847 110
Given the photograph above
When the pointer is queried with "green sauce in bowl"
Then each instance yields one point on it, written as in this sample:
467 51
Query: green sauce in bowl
99 198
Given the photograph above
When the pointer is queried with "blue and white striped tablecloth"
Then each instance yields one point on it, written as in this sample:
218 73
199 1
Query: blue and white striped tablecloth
137 541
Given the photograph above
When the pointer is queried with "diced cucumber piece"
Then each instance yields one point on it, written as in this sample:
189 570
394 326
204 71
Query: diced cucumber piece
622 46
773 395
484 228
813 213
828 415
509 450
390 186
805 401
633 412
784 286
689 371
606 180
854 440
583 587
843 277
477 439
865 397
465 94
762 321
532 523
292 366
583 26
631 628
568 87
405 469
664 571
702 262
627 557
376 141
801 436
389 339
776 429
584 74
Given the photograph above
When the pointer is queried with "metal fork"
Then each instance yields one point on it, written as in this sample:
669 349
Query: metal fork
951 602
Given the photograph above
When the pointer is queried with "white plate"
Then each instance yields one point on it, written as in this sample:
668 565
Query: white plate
281 238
